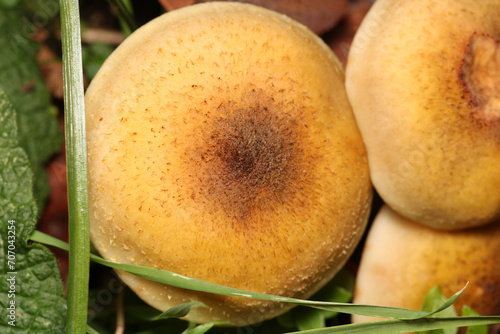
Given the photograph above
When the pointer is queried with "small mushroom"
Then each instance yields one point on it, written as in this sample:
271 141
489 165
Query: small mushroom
402 260
221 146
423 78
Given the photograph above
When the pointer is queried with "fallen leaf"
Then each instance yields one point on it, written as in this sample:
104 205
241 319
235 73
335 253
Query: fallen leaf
52 71
319 15
170 5
340 38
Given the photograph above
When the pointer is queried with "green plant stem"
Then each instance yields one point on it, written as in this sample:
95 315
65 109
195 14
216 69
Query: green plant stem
76 158
126 16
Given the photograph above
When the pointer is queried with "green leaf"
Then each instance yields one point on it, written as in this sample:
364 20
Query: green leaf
179 311
94 56
8 3
344 279
433 299
467 312
39 133
308 318
35 297
339 289
201 329
287 320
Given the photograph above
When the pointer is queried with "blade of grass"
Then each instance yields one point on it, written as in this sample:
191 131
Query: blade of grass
126 16
185 282
404 326
74 110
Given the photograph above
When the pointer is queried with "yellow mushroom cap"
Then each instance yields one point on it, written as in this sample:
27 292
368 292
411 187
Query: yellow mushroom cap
402 260
423 79
221 146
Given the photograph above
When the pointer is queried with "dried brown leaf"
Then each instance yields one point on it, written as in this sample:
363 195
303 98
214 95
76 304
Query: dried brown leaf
319 15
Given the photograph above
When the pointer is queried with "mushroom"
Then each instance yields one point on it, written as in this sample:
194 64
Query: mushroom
423 79
221 146
402 260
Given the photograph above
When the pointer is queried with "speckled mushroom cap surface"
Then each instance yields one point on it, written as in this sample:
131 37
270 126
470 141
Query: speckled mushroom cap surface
402 260
221 146
423 79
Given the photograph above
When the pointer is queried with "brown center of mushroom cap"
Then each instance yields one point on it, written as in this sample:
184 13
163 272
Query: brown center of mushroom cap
481 75
253 151
251 158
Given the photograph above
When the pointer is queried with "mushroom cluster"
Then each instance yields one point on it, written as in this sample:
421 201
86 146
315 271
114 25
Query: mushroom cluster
423 79
222 146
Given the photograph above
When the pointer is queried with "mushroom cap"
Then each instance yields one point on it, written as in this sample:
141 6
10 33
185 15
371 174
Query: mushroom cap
402 260
221 146
423 79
